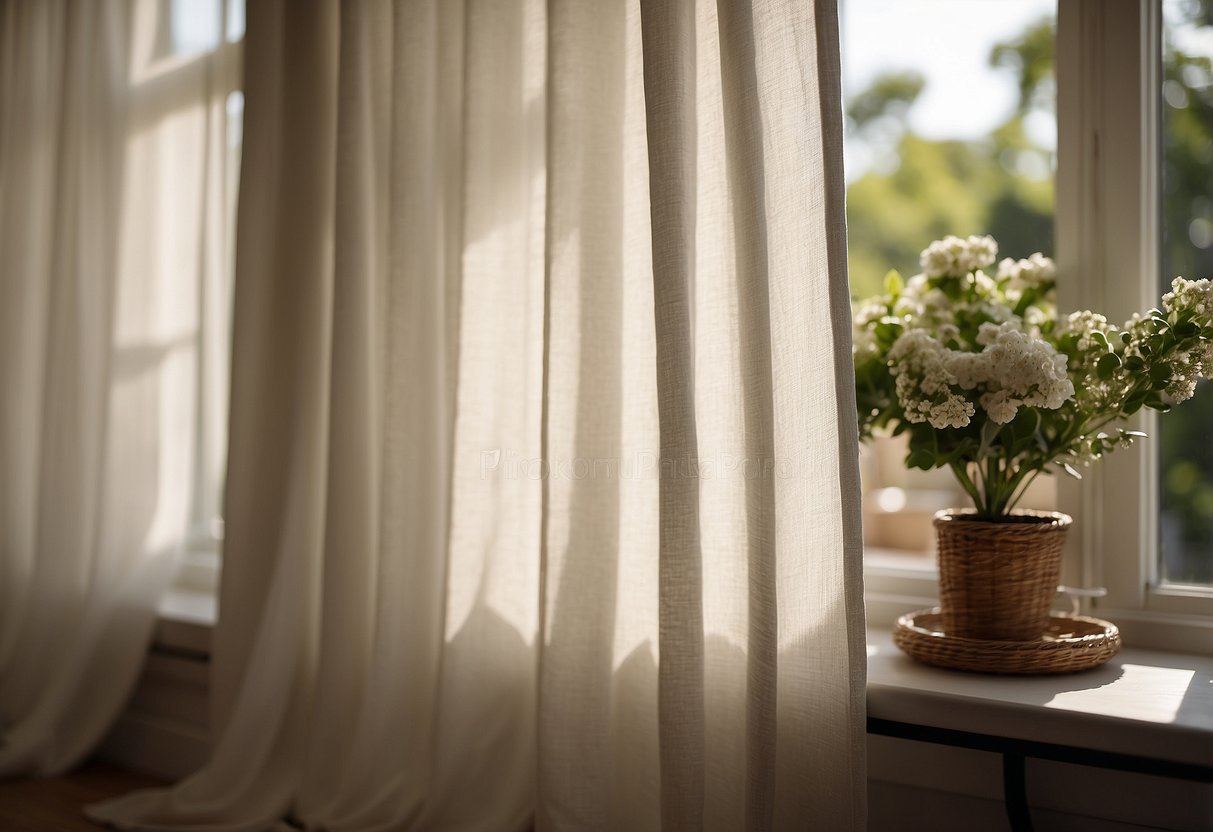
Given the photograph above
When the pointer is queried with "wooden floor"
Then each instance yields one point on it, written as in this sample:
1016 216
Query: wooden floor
53 804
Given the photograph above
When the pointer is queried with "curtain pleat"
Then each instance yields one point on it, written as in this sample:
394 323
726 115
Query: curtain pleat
543 496
103 246
670 89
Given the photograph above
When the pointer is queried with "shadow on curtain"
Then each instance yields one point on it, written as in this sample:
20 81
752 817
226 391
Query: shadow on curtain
543 494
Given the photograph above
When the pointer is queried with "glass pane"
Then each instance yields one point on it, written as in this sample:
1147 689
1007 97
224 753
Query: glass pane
951 129
1186 476
235 20
195 26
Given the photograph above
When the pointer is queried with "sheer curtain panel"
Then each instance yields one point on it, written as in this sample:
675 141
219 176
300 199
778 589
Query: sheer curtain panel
107 173
543 499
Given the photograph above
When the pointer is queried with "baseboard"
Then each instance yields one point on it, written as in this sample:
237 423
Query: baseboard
163 731
156 747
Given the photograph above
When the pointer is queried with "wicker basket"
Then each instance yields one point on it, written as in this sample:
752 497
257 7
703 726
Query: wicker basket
1068 644
998 579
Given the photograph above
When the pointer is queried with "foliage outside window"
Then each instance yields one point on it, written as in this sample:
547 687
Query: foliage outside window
911 182
999 184
1186 475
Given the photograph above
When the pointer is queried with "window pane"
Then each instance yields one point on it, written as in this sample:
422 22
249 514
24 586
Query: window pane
1186 475
235 20
195 26
951 129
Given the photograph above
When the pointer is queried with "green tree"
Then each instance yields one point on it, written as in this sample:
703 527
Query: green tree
950 186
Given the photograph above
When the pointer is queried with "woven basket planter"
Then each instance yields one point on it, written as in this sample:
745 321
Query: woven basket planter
997 580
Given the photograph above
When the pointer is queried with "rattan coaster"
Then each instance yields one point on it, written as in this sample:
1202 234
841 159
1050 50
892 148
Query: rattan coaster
1069 643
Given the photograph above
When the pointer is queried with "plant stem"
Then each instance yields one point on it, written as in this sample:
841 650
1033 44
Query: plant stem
994 488
1023 490
962 476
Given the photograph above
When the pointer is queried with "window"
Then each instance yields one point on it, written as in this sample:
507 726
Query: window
1114 80
954 135
1131 209
1186 156
203 39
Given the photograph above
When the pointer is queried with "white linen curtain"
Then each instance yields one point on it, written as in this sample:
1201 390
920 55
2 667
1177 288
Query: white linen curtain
543 495
106 178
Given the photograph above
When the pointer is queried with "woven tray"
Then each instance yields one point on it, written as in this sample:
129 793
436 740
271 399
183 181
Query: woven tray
1069 644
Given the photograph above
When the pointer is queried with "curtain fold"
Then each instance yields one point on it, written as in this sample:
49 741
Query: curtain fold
543 495
103 244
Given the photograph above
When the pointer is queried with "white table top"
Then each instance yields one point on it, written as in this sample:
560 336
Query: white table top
1142 702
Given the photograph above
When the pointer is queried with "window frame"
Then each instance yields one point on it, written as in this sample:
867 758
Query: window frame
1108 223
223 66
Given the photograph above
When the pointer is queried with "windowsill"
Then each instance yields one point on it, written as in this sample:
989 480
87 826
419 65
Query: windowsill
913 561
1143 702
186 618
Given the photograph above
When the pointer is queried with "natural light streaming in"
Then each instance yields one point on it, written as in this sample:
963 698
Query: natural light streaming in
1135 695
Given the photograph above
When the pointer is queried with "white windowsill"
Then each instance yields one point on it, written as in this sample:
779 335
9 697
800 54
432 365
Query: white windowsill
1143 702
185 621
913 561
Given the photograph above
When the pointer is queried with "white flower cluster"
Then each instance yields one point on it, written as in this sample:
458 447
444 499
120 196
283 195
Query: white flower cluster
982 285
863 342
1085 324
967 345
922 305
956 256
1093 335
1190 295
1032 273
924 382
869 313
1013 370
1190 298
1018 371
1186 370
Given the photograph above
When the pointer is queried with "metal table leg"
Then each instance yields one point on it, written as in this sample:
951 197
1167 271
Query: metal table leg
1015 793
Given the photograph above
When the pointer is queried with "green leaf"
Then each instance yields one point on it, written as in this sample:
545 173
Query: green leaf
888 330
1022 432
922 459
1107 365
893 284
1134 363
989 432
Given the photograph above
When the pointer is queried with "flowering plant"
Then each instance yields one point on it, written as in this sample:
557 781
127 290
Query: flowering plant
987 379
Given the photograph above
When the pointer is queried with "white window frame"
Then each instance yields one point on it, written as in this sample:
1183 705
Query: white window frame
1108 254
201 560
1107 228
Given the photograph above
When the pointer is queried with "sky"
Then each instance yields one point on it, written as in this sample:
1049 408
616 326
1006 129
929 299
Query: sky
949 42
